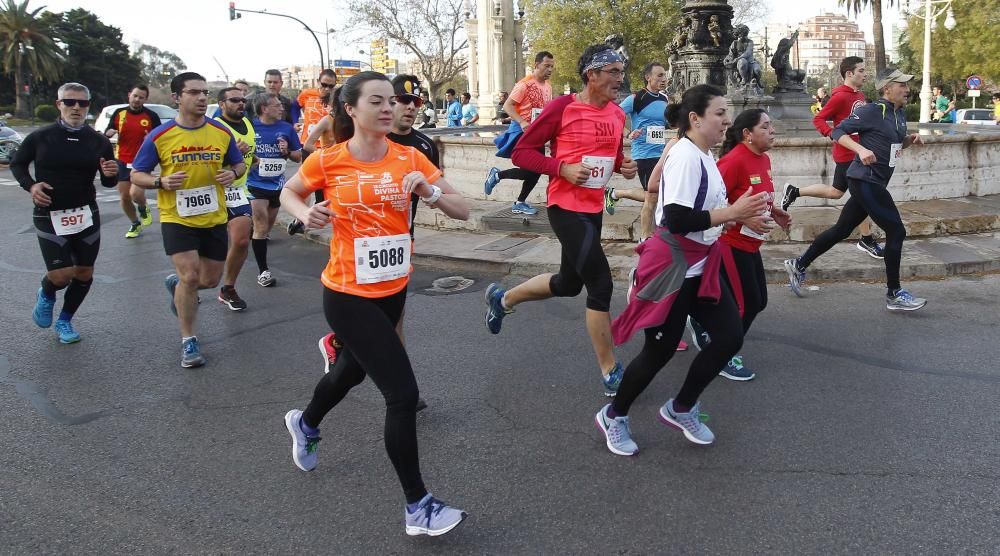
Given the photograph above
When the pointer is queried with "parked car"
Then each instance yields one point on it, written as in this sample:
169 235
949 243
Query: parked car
10 140
975 116
166 113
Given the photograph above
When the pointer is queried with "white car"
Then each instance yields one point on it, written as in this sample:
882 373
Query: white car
975 116
165 113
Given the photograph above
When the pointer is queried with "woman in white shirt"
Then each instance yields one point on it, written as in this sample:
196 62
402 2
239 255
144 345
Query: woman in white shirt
679 275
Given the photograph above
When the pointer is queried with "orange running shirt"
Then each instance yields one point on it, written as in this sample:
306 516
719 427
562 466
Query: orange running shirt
528 94
371 245
312 112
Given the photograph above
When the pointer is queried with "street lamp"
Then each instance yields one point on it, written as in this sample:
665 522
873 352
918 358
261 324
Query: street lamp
930 17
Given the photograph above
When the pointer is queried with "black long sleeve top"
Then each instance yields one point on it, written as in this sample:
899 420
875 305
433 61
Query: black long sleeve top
66 160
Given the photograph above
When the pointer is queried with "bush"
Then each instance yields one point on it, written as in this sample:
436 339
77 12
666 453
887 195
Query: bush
46 112
912 112
7 108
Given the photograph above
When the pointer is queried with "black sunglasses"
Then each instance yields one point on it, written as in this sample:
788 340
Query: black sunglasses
236 100
327 85
408 99
73 102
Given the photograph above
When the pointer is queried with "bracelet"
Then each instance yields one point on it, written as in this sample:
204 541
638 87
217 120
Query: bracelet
434 196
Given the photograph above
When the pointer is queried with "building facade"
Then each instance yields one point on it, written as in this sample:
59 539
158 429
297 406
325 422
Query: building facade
825 40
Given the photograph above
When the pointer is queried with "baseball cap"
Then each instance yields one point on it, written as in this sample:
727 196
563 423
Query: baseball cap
407 86
889 75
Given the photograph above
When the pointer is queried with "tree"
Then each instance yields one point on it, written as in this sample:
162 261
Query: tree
432 30
95 55
28 51
876 6
157 66
958 53
748 12
567 27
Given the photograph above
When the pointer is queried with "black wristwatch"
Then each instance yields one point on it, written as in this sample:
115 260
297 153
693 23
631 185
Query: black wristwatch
157 183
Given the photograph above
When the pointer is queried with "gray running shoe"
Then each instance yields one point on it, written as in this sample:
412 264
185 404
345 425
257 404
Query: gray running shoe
303 447
904 301
191 354
734 370
689 423
432 517
796 277
617 433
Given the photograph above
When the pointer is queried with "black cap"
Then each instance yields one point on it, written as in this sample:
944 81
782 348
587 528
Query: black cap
406 86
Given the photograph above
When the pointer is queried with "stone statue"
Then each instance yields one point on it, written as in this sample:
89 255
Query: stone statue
714 30
744 69
617 43
789 78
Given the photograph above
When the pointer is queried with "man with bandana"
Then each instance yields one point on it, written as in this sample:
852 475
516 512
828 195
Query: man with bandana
586 133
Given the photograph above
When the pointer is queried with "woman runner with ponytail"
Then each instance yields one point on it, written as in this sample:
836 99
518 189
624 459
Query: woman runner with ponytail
679 275
367 181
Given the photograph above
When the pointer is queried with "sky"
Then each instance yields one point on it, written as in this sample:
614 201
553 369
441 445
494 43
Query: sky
197 30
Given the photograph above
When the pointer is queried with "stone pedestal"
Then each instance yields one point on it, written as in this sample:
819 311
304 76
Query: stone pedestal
792 112
694 56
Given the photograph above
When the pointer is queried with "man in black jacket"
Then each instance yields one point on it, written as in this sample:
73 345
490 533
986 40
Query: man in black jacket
66 155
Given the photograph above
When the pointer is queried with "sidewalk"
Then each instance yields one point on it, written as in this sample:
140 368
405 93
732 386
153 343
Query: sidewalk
946 237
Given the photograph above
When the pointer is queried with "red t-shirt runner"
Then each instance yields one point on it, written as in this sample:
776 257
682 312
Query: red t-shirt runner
842 104
742 169
132 128
578 132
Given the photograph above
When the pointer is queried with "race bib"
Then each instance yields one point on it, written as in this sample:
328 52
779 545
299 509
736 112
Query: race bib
535 112
200 200
895 153
235 197
271 167
379 259
655 135
71 221
600 174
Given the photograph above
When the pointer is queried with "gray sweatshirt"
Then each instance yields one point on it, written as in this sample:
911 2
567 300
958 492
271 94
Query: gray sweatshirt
880 126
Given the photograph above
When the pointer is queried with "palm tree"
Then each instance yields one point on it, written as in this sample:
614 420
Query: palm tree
26 51
876 5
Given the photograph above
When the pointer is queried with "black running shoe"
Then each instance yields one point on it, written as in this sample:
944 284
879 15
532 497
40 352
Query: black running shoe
231 299
788 196
295 227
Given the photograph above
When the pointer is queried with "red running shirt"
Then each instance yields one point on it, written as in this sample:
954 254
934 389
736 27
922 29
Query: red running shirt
741 170
578 132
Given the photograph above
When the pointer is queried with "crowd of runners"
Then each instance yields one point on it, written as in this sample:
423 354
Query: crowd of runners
365 170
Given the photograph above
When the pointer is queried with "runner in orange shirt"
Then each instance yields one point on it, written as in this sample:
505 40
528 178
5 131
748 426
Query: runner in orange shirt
367 181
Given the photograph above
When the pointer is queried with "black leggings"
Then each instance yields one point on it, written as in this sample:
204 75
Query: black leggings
721 321
750 267
583 260
530 179
867 199
367 327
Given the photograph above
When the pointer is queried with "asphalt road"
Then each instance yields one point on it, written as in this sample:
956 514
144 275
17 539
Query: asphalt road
865 431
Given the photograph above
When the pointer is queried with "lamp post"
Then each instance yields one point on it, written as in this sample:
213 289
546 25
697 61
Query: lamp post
949 24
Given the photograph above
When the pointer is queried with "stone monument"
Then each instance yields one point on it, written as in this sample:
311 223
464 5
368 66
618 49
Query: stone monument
617 43
791 103
701 42
496 38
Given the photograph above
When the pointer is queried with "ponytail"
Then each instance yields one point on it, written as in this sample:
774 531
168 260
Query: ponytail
747 120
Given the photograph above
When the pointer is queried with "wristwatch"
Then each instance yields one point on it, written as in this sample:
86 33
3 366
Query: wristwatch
434 196
157 183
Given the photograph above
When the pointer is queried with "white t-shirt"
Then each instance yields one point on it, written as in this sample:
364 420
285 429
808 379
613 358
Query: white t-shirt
679 184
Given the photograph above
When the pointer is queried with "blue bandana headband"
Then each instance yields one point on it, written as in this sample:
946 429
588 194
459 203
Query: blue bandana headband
601 59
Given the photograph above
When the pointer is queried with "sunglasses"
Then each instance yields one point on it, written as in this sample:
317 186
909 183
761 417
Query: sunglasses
410 99
237 100
328 85
73 102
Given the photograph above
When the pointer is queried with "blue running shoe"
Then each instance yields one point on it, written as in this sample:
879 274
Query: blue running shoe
617 432
734 370
613 380
432 517
492 179
904 301
495 311
796 276
303 446
191 354
42 315
689 423
523 208
171 284
66 333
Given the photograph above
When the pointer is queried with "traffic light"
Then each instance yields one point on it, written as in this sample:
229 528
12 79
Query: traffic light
232 12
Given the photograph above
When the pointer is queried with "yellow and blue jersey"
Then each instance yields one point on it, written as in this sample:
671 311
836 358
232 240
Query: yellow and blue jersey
249 139
199 152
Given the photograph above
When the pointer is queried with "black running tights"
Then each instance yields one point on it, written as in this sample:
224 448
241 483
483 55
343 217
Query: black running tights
721 321
754 285
367 327
867 199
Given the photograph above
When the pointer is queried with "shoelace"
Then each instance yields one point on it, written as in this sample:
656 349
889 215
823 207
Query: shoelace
311 442
737 361
191 347
433 507
904 295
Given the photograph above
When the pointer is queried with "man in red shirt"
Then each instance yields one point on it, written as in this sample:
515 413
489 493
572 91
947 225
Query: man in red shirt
131 124
585 131
843 102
